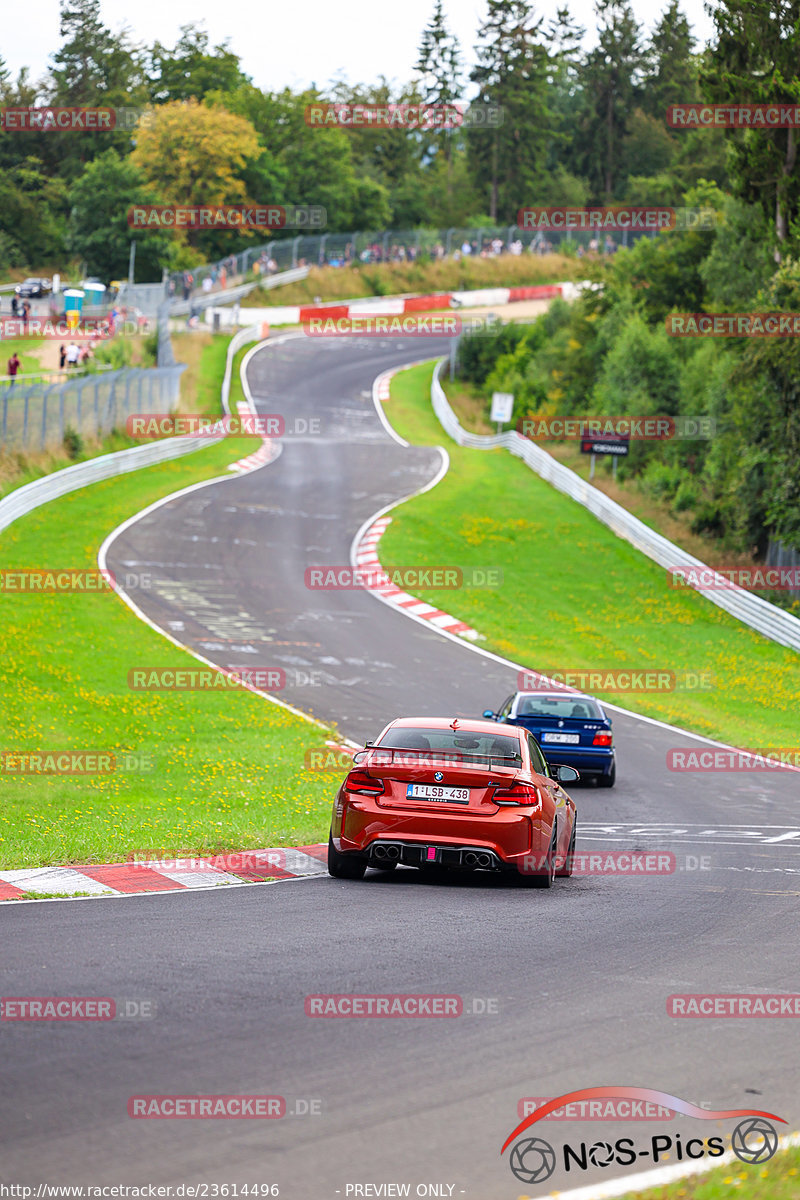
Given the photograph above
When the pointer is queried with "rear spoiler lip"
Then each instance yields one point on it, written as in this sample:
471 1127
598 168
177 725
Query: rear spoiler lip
502 761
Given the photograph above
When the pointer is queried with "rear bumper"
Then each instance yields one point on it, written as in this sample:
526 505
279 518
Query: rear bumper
508 836
590 762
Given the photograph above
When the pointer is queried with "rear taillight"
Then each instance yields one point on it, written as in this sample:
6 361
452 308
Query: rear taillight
520 793
602 739
363 784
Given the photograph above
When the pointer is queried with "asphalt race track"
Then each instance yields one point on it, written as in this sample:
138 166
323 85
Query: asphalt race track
561 990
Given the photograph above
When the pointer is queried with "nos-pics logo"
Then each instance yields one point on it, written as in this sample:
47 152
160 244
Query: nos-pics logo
533 1160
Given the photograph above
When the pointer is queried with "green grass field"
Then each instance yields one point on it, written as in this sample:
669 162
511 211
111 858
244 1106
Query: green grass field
576 596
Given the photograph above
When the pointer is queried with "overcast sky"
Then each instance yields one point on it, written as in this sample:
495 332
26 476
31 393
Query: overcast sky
294 45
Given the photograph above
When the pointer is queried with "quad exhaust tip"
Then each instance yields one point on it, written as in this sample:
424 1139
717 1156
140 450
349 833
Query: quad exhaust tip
395 852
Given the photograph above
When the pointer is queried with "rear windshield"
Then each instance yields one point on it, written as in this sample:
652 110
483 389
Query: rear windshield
556 706
468 745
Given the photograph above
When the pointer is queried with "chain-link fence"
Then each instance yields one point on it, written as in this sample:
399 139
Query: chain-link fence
392 245
37 417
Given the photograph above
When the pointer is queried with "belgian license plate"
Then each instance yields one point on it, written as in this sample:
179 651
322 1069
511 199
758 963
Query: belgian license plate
429 791
570 738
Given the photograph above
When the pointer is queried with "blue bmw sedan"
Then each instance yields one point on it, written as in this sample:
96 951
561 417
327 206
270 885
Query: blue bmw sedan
571 728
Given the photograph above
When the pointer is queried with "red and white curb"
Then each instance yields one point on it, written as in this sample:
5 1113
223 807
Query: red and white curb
367 560
393 306
260 457
165 875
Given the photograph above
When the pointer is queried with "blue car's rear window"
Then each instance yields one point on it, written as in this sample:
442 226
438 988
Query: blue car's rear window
555 706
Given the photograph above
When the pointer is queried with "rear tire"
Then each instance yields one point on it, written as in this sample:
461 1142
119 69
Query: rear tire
608 780
344 866
548 879
566 871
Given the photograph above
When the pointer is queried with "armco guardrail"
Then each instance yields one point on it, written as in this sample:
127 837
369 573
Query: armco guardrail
25 499
251 334
760 615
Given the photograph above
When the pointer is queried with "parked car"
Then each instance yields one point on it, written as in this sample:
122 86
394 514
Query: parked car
457 794
31 288
570 727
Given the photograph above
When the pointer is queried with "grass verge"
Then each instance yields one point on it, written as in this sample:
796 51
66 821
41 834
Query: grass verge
779 1179
575 596
207 771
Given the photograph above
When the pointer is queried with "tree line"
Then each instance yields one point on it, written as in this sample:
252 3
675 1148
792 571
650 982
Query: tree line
579 127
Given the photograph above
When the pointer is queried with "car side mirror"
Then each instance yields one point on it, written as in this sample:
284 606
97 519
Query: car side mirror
488 713
566 774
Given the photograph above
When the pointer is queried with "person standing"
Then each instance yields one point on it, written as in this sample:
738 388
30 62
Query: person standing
13 367
62 357
73 353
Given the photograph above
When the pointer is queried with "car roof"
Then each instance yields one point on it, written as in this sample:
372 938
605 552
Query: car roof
465 725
